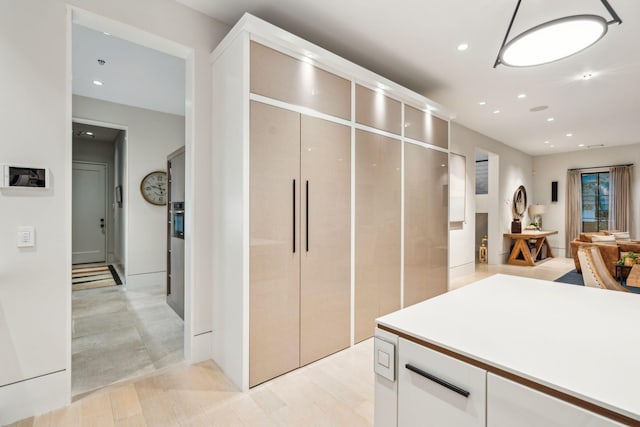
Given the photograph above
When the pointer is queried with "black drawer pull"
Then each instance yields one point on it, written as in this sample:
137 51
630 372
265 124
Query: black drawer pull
443 383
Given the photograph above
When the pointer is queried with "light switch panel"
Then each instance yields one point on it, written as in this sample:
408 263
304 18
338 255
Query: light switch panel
384 359
26 237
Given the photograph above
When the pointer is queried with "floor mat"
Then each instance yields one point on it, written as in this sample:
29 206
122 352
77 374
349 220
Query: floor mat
94 276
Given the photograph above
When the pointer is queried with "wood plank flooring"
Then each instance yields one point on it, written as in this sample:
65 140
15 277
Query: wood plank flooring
335 391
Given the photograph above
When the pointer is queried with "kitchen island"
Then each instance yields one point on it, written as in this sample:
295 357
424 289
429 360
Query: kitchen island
511 351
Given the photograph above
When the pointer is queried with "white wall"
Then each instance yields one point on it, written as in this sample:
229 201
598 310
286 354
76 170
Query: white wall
151 136
100 152
35 288
515 169
554 168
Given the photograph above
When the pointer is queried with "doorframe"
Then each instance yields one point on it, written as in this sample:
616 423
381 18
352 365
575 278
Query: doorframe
135 35
106 204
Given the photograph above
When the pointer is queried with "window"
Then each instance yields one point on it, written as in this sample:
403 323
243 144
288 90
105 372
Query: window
595 201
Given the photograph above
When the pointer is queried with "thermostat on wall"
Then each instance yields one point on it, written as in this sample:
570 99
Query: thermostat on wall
23 177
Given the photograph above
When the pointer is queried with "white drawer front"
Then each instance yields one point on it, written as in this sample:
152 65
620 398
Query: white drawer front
510 404
425 402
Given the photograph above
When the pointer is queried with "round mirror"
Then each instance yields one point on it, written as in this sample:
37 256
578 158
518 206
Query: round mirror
519 202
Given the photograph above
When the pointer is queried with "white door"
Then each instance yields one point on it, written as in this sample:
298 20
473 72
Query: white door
89 213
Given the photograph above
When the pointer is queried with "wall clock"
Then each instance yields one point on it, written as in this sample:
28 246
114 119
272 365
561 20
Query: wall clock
154 188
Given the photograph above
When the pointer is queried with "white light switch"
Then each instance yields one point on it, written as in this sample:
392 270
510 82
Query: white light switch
26 237
384 364
383 358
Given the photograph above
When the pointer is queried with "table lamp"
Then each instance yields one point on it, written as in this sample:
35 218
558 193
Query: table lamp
535 214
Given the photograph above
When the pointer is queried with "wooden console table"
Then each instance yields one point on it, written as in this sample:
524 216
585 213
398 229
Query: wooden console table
521 254
634 276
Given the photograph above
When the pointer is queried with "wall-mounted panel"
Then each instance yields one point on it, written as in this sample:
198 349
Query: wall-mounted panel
425 223
279 76
458 185
425 127
375 109
377 251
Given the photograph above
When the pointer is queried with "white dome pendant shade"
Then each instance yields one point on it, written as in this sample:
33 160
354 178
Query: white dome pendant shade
553 40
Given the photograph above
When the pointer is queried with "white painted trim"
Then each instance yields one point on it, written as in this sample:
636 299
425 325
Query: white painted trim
352 261
146 279
298 109
34 396
64 392
246 202
100 123
189 248
402 202
127 32
377 131
202 347
427 145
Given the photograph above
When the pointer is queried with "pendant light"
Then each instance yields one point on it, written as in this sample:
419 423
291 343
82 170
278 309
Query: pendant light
553 40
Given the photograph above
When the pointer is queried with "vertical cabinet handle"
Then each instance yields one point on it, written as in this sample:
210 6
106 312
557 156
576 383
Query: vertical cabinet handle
294 216
437 380
307 217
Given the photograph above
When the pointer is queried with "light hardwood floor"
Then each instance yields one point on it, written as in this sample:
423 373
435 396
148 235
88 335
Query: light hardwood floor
335 391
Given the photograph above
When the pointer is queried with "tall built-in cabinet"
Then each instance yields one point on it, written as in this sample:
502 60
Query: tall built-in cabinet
330 202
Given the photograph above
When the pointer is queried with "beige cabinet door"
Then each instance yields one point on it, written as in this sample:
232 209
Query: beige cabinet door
425 127
279 76
325 291
425 223
377 110
274 296
377 251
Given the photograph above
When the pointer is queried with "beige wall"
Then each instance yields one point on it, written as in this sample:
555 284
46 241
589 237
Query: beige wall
554 168
515 169
151 136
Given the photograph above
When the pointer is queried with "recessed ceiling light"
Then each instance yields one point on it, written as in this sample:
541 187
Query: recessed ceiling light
587 76
106 34
546 142
496 111
569 134
462 47
97 83
550 119
482 103
522 96
89 133
580 145
551 146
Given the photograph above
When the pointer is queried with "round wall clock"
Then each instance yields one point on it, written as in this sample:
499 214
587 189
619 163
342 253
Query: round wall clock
154 188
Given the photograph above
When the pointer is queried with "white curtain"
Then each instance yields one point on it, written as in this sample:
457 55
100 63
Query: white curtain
620 198
573 217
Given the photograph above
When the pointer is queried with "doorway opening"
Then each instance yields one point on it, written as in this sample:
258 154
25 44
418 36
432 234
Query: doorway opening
487 231
121 332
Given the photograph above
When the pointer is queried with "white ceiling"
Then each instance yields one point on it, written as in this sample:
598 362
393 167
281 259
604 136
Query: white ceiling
413 42
132 75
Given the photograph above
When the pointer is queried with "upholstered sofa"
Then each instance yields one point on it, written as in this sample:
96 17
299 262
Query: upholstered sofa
610 251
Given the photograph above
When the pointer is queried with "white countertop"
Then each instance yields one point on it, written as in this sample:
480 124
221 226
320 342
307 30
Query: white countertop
582 341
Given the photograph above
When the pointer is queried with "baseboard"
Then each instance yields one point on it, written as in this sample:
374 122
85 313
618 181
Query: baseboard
201 347
158 278
33 397
462 270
